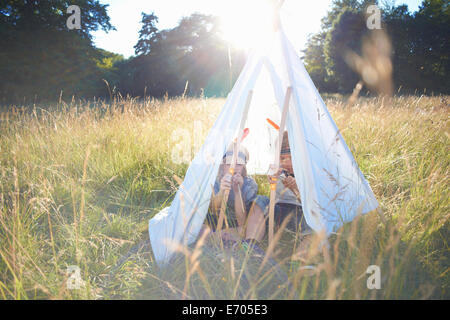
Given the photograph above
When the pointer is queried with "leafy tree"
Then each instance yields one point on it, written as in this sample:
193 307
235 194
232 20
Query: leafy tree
346 34
193 52
148 35
314 59
430 32
420 49
324 58
41 57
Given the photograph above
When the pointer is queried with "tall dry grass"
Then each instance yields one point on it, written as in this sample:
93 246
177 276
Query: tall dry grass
80 180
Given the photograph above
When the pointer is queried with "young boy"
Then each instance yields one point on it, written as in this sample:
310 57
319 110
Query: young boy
287 194
245 209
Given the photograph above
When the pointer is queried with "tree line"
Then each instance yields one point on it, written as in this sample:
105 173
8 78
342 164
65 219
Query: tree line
190 59
420 47
41 60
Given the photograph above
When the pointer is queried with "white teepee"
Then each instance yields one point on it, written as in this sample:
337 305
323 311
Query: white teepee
332 188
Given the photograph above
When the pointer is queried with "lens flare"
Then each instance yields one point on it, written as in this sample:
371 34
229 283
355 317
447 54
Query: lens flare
250 25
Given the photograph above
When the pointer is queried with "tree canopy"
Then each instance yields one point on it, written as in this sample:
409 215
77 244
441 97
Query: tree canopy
420 47
40 56
191 58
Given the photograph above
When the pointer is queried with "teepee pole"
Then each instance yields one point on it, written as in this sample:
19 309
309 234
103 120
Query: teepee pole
234 159
276 166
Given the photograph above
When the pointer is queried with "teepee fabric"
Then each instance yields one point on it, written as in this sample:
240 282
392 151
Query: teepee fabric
332 188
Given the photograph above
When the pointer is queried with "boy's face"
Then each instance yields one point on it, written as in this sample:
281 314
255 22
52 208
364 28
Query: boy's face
286 162
237 169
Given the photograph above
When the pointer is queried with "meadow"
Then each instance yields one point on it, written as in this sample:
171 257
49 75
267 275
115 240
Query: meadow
79 181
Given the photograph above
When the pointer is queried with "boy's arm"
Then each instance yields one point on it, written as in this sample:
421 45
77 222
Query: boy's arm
290 183
244 197
239 207
216 201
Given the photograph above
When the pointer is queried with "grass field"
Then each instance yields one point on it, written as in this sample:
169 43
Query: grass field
79 182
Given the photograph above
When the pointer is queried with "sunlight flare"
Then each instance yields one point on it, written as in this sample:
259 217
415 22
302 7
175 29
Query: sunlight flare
248 27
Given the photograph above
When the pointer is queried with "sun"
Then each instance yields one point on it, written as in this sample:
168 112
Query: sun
248 25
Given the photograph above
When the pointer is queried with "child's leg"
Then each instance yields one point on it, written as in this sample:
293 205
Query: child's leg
284 211
256 226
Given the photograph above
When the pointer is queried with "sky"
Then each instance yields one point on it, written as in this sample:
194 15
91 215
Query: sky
299 17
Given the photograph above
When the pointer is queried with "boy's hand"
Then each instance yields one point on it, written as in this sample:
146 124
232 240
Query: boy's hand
237 182
225 183
290 183
273 178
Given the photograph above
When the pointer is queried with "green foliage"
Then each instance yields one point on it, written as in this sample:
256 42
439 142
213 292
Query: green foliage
314 59
44 58
421 50
191 58
420 53
148 35
346 34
